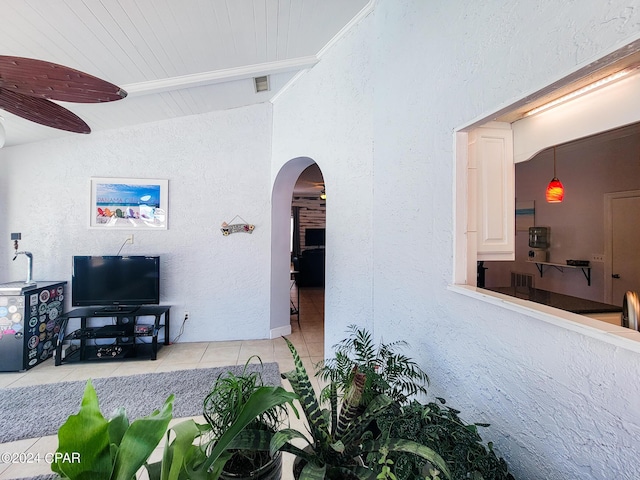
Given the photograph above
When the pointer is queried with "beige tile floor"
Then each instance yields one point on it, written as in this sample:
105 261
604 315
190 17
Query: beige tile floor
308 339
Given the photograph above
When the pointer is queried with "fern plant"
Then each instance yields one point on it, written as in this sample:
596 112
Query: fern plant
386 368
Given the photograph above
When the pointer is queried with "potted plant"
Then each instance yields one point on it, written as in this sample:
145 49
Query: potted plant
92 447
440 428
433 425
386 368
223 405
339 438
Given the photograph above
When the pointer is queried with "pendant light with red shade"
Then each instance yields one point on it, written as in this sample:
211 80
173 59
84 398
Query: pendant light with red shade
555 189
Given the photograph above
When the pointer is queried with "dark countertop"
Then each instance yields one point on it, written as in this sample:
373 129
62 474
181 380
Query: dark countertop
557 300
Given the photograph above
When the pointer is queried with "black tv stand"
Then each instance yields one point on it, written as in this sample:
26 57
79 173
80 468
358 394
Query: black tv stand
117 309
129 337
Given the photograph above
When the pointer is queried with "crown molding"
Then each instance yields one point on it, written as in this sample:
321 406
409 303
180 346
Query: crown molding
219 76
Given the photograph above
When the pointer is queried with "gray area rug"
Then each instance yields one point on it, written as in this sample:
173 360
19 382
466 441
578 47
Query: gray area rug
37 411
52 476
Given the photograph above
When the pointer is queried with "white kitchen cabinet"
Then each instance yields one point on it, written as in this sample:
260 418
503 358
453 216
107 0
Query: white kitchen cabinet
493 202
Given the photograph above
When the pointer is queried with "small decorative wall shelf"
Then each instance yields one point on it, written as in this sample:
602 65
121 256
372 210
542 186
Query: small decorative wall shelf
229 228
586 269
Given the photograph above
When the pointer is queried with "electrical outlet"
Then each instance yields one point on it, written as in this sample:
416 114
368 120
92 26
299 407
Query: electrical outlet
130 239
186 315
597 257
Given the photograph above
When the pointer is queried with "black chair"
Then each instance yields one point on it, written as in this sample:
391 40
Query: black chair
310 268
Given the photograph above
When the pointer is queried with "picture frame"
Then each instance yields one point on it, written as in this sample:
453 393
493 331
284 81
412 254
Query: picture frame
129 203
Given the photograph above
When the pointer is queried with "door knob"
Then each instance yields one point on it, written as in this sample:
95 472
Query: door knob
615 275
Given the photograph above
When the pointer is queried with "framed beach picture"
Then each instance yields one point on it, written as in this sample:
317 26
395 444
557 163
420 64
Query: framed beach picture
129 203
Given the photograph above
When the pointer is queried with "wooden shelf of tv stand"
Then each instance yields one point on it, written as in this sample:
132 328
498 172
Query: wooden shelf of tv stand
136 347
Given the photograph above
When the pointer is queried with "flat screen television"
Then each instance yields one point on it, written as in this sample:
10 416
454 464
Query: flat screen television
314 237
115 281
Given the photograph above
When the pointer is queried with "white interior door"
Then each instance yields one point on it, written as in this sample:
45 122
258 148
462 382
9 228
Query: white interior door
624 231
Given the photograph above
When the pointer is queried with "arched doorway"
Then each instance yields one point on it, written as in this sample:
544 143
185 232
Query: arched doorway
281 209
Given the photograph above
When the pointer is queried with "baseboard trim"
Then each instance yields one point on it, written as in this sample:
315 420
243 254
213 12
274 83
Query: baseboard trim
280 331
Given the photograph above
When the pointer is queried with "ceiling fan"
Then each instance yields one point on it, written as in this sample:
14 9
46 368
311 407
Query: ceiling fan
27 87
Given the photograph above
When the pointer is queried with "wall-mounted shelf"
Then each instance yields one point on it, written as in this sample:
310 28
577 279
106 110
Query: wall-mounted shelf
586 269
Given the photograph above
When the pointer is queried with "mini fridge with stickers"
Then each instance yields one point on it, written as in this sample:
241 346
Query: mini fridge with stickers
29 323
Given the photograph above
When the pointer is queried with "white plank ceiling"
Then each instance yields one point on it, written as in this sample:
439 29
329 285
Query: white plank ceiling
174 58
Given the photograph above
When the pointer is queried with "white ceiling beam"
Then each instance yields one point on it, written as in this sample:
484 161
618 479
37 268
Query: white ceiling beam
219 76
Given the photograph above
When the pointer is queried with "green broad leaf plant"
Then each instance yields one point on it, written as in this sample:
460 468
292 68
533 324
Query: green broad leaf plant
223 405
184 458
91 447
338 436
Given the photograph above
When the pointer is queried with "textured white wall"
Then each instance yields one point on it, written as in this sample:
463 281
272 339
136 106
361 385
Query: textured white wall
327 116
561 404
218 166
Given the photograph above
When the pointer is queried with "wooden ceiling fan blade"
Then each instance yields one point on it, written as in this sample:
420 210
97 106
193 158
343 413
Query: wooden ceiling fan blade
38 78
42 111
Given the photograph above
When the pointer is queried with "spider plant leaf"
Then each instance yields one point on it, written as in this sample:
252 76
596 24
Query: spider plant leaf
263 399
